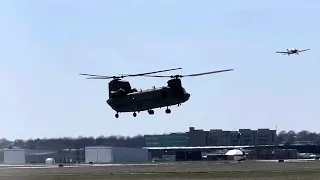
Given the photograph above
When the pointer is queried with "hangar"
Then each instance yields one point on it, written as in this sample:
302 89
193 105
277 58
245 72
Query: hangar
102 154
188 153
26 156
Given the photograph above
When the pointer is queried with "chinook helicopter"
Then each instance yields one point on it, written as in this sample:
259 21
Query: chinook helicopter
124 98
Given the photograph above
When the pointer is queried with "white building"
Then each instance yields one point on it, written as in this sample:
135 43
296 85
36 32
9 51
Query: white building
101 154
14 156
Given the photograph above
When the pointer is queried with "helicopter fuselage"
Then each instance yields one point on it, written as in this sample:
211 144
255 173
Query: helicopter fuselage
148 99
124 98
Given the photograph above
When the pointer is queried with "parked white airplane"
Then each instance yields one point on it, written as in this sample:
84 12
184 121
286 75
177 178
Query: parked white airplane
292 51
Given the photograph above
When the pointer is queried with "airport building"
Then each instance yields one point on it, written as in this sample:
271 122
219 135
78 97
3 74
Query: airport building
24 156
177 146
98 154
265 137
1 156
213 137
101 154
197 137
192 144
32 156
167 140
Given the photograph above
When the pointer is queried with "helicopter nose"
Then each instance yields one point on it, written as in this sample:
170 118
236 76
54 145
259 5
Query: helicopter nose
187 96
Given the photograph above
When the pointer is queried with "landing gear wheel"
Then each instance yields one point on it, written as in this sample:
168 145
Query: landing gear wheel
134 114
151 112
116 115
168 111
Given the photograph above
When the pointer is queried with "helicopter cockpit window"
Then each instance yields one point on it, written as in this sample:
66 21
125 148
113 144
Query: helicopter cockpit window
183 90
174 83
126 86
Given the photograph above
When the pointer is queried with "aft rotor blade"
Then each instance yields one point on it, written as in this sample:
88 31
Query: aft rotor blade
154 72
205 73
189 75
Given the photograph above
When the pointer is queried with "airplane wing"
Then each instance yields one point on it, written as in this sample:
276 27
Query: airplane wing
282 52
304 50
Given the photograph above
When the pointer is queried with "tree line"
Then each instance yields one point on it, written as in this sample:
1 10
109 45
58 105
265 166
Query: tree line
302 137
283 137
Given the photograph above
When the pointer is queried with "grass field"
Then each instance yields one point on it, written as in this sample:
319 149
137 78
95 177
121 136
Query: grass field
192 171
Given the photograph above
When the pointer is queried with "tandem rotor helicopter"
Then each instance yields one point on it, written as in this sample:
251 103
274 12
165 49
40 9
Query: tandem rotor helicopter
124 98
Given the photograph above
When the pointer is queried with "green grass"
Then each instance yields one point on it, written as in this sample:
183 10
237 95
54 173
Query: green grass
178 175
175 171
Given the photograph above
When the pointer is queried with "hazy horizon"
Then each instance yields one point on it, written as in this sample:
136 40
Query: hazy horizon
119 135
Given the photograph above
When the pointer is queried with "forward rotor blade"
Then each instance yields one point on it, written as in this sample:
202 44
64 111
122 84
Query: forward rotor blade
159 76
82 74
94 75
100 77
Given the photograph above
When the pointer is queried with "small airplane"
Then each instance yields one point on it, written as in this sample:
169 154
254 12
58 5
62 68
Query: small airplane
292 51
